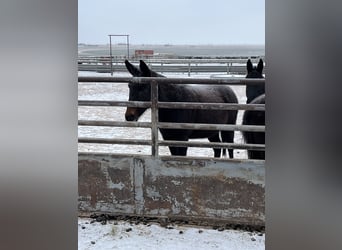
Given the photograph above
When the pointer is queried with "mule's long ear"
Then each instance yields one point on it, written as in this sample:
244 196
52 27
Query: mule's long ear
132 69
260 66
144 69
249 66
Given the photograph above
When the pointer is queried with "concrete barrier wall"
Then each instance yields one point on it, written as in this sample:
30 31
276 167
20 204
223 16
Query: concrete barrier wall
197 190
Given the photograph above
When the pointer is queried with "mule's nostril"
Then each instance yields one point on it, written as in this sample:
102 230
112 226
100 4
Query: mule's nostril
129 118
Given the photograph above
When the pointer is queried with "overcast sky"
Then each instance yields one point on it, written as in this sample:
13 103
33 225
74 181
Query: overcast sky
172 21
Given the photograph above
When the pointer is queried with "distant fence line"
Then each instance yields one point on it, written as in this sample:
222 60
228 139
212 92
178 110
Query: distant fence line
102 64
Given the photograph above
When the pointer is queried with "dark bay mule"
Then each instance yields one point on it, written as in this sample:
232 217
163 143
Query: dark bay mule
184 93
255 95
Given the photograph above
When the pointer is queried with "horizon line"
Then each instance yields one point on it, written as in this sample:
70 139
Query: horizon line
176 44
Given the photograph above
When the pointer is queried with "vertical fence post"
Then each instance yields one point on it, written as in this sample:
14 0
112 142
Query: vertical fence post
154 117
127 37
110 54
189 68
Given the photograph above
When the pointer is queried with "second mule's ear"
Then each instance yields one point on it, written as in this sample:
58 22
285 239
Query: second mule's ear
132 69
144 69
249 66
260 66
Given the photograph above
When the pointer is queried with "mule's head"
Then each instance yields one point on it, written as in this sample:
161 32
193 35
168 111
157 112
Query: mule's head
138 91
255 72
252 91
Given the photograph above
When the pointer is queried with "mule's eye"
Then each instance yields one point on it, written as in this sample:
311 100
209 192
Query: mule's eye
136 87
141 86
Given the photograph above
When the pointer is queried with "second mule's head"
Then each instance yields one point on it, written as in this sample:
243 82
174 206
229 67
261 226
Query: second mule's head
253 91
138 91
255 72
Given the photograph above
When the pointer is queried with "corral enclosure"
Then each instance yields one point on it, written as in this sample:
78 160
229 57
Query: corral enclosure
128 179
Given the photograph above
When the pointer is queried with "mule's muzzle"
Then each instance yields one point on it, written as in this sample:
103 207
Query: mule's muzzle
130 117
131 114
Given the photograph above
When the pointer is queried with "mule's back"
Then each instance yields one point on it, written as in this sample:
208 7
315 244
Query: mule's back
200 94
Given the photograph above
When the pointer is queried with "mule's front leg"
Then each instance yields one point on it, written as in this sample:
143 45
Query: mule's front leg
178 151
176 135
216 138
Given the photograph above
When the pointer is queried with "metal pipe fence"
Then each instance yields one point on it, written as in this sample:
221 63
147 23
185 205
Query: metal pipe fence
154 104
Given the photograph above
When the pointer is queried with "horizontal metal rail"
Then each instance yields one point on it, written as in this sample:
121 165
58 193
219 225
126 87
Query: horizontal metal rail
114 141
165 125
105 103
114 124
196 158
211 106
164 80
211 145
189 68
171 105
159 61
172 143
205 126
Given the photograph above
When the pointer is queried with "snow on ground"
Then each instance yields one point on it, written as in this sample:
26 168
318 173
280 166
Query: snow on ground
123 235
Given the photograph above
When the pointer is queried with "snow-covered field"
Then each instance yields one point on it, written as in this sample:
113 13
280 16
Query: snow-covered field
124 235
119 92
